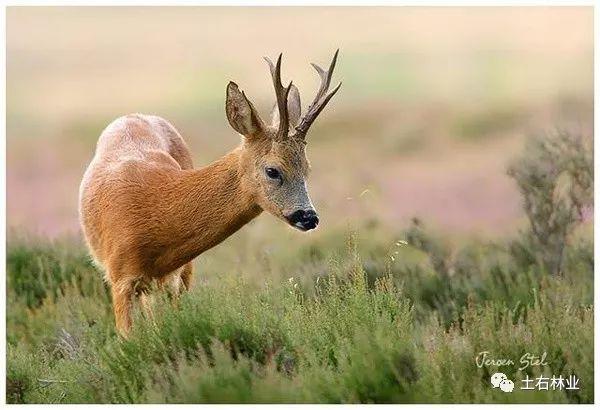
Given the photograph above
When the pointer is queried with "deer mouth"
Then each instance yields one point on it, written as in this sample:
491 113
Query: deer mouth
301 227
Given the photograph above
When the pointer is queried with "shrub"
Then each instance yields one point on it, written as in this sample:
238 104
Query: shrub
555 177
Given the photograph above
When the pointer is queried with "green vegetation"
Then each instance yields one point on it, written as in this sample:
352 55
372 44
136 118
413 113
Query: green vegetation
366 316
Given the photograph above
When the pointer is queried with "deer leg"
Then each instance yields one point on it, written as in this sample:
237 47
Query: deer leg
186 276
146 303
122 295
177 282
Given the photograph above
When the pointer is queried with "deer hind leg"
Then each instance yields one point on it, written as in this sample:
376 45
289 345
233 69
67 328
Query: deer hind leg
146 301
122 296
186 276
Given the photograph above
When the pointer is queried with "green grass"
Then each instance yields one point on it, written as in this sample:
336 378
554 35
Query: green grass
372 315
363 319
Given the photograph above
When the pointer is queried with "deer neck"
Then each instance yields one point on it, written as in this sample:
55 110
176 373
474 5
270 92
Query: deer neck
207 205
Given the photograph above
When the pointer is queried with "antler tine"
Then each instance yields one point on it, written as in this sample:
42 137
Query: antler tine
321 99
325 77
281 94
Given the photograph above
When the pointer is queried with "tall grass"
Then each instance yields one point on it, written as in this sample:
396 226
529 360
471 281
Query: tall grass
374 315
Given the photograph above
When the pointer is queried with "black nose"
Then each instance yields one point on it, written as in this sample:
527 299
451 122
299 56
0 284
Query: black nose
305 220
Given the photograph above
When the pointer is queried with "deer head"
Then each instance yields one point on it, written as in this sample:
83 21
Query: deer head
273 159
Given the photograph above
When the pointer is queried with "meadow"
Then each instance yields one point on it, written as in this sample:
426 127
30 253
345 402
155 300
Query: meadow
358 320
371 316
453 177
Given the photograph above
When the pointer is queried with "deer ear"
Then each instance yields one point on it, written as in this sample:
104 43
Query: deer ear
294 109
241 114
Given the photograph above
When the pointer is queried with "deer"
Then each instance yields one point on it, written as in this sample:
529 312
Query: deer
146 213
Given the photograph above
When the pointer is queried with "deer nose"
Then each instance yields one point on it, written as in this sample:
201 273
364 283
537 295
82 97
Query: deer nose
304 220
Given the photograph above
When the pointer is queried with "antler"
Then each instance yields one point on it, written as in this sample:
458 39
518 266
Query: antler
321 99
281 93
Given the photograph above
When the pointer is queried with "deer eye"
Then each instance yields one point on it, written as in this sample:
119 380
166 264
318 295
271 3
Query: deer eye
272 173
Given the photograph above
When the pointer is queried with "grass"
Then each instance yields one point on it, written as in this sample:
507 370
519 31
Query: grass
352 326
370 315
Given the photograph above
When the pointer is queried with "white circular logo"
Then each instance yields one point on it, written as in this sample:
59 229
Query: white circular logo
500 380
507 386
497 378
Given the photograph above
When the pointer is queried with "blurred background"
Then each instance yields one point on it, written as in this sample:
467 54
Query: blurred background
435 102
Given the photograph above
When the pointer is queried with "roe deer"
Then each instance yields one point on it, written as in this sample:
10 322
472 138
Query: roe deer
146 213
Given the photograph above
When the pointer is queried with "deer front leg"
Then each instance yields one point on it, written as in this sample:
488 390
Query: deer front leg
177 282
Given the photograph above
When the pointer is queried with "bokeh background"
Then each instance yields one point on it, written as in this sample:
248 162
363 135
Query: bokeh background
434 103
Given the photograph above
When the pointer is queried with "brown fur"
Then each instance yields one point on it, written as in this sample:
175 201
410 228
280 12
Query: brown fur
144 217
146 213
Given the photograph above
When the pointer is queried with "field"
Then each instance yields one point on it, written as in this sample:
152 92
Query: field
453 175
358 320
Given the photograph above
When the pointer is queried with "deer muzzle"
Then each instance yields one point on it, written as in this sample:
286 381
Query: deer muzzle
305 220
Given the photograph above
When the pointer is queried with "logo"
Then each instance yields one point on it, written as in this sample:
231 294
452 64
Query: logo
527 361
499 380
